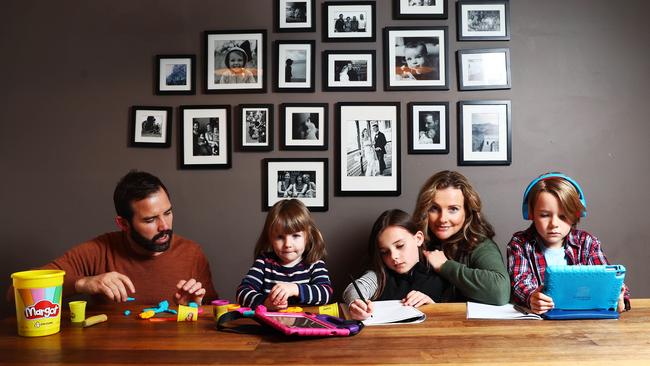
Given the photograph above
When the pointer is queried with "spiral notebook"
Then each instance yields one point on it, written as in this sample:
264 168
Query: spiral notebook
393 312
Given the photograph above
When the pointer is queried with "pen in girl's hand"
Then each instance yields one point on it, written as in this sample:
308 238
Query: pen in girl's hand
356 287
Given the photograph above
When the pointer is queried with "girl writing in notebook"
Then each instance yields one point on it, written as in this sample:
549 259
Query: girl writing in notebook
398 270
554 202
288 267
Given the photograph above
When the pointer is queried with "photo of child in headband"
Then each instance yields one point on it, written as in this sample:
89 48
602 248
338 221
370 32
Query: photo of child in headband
237 61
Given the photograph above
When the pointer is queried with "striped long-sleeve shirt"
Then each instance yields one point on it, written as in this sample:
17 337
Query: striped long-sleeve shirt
527 264
313 281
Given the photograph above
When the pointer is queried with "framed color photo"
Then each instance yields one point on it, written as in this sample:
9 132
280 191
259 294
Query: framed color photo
484 132
176 74
303 126
483 20
349 70
256 127
294 66
295 16
415 58
368 154
235 61
349 21
205 136
300 178
428 127
481 69
151 126
420 9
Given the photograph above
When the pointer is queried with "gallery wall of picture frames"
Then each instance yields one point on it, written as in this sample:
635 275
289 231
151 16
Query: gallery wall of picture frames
367 146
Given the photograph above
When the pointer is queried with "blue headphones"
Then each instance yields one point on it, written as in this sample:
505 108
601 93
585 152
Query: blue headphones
524 206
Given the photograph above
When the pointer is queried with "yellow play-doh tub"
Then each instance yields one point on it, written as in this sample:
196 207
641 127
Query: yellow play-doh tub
38 301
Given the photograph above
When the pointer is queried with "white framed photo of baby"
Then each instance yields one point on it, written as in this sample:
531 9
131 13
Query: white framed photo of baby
304 179
235 61
428 127
416 58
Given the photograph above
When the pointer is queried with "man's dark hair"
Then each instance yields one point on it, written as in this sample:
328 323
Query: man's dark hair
134 186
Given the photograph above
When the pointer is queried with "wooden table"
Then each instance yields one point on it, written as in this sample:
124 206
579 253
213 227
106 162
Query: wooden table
445 337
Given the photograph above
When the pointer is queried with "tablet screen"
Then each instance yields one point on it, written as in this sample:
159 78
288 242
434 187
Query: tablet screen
296 322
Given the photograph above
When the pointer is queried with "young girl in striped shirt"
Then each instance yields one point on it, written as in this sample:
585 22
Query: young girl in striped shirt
288 267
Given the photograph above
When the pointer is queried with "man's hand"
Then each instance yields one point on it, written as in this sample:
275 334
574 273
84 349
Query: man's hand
360 310
188 291
113 285
540 303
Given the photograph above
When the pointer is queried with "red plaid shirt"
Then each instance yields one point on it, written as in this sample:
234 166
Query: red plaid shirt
526 262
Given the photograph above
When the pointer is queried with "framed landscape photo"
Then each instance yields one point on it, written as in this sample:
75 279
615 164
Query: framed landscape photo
176 74
256 127
205 137
483 69
483 20
368 149
415 58
349 21
300 178
484 132
349 70
428 127
294 66
295 16
151 126
420 9
303 126
235 61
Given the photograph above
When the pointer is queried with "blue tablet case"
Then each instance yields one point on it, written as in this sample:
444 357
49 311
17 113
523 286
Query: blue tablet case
583 292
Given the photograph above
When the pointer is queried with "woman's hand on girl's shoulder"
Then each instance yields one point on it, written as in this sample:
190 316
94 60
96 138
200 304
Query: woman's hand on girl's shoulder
360 310
416 299
436 258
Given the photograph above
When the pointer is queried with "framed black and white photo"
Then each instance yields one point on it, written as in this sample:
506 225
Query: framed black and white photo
300 178
151 126
235 61
349 71
256 127
484 69
420 9
294 66
349 21
415 58
484 132
368 149
483 20
303 126
205 136
428 127
176 74
295 16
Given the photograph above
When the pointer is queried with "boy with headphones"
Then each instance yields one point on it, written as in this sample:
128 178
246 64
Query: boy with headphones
554 202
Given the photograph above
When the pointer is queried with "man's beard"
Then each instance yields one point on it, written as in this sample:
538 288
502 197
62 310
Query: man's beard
151 245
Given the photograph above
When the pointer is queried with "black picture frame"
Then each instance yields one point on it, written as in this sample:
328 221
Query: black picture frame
403 10
359 68
221 46
216 151
484 69
304 126
151 126
432 118
428 72
482 127
175 75
290 73
335 31
256 127
358 167
316 170
294 15
483 20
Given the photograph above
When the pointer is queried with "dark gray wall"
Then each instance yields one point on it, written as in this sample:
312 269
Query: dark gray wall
71 70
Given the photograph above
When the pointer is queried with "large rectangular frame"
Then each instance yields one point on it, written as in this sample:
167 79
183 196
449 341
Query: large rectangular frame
273 168
205 115
478 142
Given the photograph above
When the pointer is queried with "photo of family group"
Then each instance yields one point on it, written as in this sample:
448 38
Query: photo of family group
350 21
205 136
304 179
296 184
369 151
345 21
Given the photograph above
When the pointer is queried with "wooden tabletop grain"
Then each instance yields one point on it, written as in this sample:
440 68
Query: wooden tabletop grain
446 337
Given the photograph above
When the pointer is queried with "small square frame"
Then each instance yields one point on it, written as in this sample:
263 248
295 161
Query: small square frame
313 194
483 20
295 16
175 74
361 77
335 28
199 151
436 9
418 122
311 136
484 132
151 126
484 69
294 66
256 127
